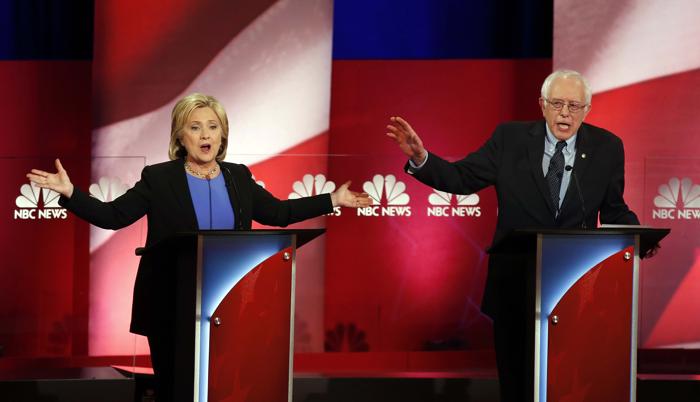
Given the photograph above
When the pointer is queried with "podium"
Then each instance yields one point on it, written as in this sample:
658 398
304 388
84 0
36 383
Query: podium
583 297
233 311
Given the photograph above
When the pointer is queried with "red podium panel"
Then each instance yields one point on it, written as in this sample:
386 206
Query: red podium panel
250 347
231 313
590 338
582 297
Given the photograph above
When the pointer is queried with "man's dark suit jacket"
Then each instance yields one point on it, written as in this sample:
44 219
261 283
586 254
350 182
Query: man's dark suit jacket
511 160
163 195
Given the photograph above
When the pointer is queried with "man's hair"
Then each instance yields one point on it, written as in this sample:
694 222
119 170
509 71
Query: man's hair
566 74
181 113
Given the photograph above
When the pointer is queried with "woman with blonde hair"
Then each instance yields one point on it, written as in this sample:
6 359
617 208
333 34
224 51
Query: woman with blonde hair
196 189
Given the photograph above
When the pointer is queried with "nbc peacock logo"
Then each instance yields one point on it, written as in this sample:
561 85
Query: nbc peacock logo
677 199
108 189
391 191
447 204
313 185
37 203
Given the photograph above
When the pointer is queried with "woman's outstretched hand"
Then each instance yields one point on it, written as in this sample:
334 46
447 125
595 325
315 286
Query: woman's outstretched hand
344 197
58 182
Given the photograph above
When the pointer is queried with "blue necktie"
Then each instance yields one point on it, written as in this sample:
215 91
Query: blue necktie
555 173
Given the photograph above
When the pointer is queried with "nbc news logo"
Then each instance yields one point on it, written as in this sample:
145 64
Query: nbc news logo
441 204
389 189
108 189
679 199
28 203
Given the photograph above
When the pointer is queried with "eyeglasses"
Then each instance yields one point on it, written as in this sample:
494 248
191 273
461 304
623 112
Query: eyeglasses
558 104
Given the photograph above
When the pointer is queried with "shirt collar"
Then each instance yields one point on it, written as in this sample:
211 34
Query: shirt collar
552 140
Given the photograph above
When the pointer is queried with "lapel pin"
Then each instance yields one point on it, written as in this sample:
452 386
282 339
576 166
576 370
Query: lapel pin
583 156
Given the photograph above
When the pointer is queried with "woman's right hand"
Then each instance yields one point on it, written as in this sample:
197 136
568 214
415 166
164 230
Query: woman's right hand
58 182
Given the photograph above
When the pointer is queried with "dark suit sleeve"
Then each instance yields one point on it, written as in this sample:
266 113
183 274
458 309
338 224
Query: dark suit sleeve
269 210
121 212
614 210
467 176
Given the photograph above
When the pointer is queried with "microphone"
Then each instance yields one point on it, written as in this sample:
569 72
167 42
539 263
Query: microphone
228 180
571 169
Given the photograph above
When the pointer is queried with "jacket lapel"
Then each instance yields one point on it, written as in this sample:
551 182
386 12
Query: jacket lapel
584 152
177 180
233 186
535 154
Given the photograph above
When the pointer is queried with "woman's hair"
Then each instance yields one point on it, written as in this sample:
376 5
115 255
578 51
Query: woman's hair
181 114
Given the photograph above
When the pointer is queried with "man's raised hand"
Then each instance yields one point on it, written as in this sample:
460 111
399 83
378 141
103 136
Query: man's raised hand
407 139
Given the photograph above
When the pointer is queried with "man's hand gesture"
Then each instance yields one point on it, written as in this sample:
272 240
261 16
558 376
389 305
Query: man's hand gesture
407 139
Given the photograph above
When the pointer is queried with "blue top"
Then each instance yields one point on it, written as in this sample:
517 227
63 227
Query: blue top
212 204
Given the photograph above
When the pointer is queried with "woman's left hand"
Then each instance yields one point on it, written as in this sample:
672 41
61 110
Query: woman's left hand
344 197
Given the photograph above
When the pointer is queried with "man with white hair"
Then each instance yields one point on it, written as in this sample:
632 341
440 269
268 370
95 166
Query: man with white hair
531 165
